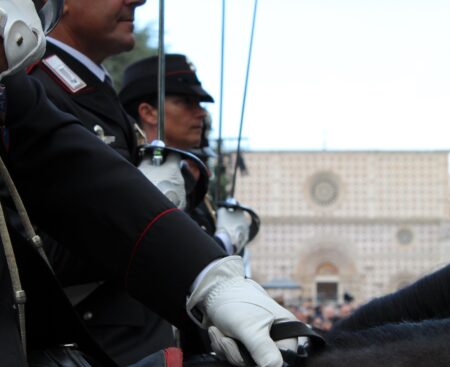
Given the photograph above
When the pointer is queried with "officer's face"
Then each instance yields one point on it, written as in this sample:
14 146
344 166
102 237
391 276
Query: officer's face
183 121
98 28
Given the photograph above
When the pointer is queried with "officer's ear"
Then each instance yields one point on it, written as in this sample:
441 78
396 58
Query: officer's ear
66 7
148 115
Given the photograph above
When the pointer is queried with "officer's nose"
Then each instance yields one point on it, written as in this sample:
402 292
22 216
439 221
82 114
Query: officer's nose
200 111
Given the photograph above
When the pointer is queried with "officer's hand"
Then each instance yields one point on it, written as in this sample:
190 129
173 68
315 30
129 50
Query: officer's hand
167 178
235 308
235 224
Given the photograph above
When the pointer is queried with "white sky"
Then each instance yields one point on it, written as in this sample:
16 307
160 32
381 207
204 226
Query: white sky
334 74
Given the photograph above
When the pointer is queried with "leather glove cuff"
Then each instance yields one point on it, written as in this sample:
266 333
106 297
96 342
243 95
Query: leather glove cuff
223 274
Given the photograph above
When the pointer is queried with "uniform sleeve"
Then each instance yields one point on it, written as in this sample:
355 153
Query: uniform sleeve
92 200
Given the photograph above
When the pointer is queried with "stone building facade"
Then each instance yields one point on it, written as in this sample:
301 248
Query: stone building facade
365 223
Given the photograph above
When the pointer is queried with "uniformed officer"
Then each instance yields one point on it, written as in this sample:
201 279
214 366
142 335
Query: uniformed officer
183 125
137 241
71 69
28 288
76 82
89 198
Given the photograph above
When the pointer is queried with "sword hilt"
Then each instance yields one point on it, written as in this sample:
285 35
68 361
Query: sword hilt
233 204
158 152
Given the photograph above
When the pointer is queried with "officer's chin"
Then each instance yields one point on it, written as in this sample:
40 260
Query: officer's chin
125 44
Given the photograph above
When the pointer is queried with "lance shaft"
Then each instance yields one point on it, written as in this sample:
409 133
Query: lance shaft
247 74
219 140
161 72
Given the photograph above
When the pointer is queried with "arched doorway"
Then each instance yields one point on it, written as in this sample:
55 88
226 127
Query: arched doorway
326 272
327 283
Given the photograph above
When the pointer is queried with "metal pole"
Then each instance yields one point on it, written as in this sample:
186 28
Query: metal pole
161 72
238 150
219 139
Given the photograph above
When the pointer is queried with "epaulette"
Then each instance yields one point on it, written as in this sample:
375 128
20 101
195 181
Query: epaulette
65 75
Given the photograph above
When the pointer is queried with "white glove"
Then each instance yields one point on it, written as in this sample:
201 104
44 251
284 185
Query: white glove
21 30
235 224
233 307
167 178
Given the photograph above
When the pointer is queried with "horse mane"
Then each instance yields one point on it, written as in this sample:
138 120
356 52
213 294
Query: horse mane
408 328
427 298
408 344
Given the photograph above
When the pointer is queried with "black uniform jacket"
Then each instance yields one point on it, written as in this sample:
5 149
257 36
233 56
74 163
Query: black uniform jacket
123 326
95 105
51 320
11 352
89 198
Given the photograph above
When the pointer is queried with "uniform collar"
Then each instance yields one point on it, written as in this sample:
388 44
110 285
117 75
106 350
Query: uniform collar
98 70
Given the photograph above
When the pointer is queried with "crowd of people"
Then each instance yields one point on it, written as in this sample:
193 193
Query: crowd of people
322 316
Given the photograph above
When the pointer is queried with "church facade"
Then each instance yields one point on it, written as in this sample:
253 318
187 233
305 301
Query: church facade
363 223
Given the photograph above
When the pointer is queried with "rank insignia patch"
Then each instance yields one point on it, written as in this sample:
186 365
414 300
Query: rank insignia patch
65 74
